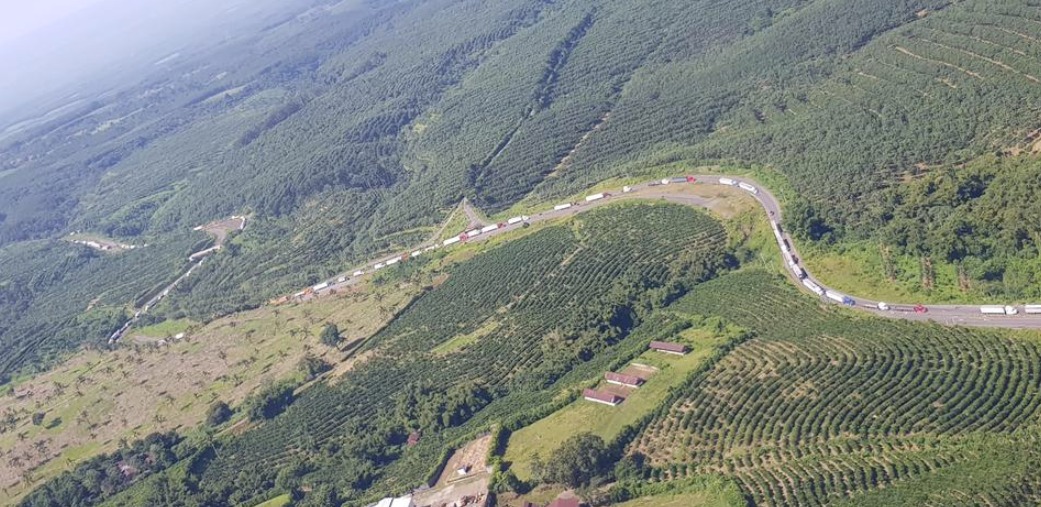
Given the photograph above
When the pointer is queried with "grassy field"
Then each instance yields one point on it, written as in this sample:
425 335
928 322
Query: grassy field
165 329
701 499
463 340
860 269
716 493
278 501
455 224
543 437
93 400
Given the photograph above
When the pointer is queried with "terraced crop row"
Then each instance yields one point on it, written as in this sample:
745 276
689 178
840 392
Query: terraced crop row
559 297
822 404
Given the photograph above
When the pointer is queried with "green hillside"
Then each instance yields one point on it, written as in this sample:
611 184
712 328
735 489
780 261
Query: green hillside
824 408
567 301
355 132
901 135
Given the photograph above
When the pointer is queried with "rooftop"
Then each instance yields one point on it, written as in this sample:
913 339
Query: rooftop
670 347
620 378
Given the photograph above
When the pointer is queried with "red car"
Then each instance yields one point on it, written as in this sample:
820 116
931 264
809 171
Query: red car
920 309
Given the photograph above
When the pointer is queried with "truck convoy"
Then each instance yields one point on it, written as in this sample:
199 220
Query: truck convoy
786 248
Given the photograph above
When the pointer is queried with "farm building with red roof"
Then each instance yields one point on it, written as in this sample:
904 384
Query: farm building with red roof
602 397
622 379
670 348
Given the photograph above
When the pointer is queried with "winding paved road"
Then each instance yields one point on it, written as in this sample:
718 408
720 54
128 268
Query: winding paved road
963 315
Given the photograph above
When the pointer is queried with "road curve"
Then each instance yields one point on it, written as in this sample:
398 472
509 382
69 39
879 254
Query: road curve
954 315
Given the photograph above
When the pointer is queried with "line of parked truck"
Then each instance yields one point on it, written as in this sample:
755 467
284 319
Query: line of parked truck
783 243
462 237
789 255
470 234
1009 310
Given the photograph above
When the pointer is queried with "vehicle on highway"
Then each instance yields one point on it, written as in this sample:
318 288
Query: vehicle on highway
998 310
920 309
883 306
748 188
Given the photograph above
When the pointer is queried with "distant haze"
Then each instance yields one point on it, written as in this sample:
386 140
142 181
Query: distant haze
50 46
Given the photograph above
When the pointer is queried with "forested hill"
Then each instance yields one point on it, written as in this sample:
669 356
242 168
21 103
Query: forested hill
347 128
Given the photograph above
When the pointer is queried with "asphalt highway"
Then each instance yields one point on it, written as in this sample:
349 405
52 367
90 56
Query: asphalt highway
954 315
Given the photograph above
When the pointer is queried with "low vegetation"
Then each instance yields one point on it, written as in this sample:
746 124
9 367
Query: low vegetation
94 400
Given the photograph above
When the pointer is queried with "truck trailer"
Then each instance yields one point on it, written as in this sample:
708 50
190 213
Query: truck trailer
727 181
596 197
489 228
814 288
1032 309
992 310
561 206
839 298
748 188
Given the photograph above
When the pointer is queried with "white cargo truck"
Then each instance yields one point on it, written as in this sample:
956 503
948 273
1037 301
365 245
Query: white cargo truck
1032 309
727 181
595 197
515 220
883 307
393 261
561 206
320 286
470 234
992 310
839 298
358 273
489 228
626 189
450 241
813 287
748 188
341 279
665 181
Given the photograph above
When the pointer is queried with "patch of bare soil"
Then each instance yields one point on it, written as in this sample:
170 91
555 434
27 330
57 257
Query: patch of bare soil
220 229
